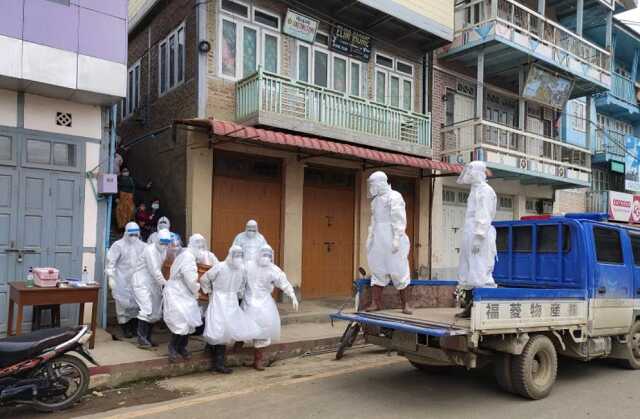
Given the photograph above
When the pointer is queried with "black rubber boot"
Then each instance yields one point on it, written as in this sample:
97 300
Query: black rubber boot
172 349
126 330
219 355
143 331
149 332
182 347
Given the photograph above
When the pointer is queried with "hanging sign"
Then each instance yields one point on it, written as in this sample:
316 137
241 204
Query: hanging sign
353 43
300 26
620 206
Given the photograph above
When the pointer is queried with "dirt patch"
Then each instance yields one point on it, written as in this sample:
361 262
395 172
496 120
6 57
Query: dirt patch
101 401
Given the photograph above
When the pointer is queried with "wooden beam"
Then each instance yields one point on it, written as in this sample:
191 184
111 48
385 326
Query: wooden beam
344 7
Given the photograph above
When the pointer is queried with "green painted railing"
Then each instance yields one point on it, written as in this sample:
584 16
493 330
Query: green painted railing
267 92
623 88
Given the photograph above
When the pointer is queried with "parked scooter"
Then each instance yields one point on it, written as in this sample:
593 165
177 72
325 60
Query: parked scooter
37 370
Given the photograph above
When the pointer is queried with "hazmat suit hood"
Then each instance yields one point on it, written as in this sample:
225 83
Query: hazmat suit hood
164 240
197 245
474 173
378 184
235 258
251 229
164 224
131 232
265 256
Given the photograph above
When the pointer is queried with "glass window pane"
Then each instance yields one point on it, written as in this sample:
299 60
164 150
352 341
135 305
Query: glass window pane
381 81
228 48
163 67
406 95
340 74
64 154
236 8
322 38
38 152
394 91
181 55
385 61
404 68
320 64
271 53
635 243
608 245
303 63
266 19
172 61
355 79
6 152
249 51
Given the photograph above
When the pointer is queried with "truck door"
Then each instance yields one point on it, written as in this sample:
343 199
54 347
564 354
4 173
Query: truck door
634 238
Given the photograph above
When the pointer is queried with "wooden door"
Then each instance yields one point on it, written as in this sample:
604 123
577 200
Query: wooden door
407 188
327 231
245 187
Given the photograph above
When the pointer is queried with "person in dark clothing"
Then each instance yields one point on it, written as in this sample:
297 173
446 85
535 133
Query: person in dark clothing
126 189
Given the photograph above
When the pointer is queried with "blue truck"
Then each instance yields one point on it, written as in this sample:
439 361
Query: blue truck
567 285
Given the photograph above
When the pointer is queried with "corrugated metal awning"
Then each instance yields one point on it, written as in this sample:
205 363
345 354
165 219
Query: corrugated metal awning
242 132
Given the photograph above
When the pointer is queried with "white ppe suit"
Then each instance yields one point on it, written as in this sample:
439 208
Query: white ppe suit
262 276
180 307
122 258
148 279
225 322
387 243
250 240
165 224
478 248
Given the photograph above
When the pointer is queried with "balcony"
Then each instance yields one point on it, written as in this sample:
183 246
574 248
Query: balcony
516 154
609 145
620 102
510 34
271 100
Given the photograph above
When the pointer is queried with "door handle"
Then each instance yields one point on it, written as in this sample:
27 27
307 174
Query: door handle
602 290
457 249
329 244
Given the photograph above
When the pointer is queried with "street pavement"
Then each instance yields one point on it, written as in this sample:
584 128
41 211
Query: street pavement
369 384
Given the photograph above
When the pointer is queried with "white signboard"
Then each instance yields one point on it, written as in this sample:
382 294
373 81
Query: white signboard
492 315
620 206
300 26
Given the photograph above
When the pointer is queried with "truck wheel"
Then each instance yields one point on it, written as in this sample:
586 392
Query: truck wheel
632 360
533 372
430 368
502 366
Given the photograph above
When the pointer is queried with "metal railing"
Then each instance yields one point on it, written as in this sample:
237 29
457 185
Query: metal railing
524 151
610 142
522 20
623 88
267 92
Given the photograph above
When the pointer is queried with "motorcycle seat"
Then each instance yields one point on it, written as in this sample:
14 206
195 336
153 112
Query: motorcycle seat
14 349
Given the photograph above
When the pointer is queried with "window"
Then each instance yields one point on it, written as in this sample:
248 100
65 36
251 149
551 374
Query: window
329 69
505 202
578 120
463 197
448 195
608 246
393 82
235 8
339 74
502 239
49 153
322 38
246 44
321 68
303 63
547 238
38 152
635 246
172 59
6 148
132 101
355 78
64 154
522 239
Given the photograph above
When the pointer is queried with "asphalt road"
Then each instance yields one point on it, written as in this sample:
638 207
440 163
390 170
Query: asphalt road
392 388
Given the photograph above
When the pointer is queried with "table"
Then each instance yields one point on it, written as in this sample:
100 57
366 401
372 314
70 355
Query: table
21 295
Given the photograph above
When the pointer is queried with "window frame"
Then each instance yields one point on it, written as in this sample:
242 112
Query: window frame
125 104
579 123
402 77
266 12
595 245
177 62
631 234
78 150
243 3
262 50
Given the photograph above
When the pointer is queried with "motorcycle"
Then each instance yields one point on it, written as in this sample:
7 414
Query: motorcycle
36 369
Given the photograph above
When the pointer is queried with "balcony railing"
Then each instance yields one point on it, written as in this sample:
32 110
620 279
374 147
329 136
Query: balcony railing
623 88
610 142
524 21
524 152
598 201
265 92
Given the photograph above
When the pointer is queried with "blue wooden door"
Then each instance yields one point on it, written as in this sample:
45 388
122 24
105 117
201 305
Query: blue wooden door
8 236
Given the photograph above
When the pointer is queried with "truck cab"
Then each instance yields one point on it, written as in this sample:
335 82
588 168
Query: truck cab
566 285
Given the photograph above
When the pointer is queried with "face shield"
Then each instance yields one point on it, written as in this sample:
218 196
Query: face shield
266 257
251 229
473 173
164 240
164 224
131 232
197 245
377 184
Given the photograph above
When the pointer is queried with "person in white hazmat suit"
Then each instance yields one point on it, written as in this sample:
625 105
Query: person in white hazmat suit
262 276
478 249
387 243
121 263
225 321
163 224
250 240
180 308
205 257
147 287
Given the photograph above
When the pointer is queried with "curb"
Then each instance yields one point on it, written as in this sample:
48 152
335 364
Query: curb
109 376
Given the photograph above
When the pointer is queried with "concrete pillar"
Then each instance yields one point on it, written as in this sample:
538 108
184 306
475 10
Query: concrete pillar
199 185
608 37
579 18
480 88
541 6
521 101
634 68
293 192
422 251
438 245
590 116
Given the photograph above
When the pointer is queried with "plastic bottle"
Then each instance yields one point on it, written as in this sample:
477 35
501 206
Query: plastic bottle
85 276
29 282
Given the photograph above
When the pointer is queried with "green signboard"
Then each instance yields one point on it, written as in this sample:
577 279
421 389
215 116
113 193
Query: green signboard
617 167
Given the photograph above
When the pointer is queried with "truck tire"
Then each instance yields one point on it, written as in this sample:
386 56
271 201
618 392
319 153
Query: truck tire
502 368
632 360
533 372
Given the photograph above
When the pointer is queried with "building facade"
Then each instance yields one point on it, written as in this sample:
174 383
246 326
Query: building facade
337 90
500 93
63 67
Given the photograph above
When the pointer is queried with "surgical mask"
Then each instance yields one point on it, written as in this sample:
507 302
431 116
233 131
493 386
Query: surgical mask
125 173
132 237
264 261
251 233
163 247
237 261
155 206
